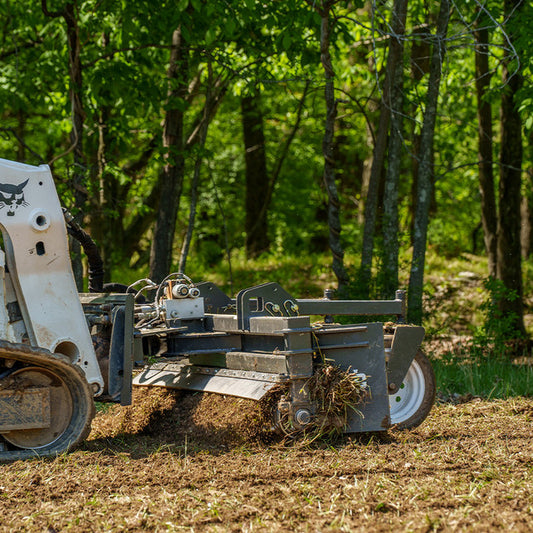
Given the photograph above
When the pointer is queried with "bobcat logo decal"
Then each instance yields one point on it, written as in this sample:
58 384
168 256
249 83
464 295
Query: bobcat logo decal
12 196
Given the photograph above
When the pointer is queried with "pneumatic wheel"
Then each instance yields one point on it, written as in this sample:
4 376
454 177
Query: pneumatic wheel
412 402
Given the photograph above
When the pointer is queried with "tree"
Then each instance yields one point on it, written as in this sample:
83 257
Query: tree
257 179
173 172
324 9
70 16
425 181
509 256
485 138
392 76
392 177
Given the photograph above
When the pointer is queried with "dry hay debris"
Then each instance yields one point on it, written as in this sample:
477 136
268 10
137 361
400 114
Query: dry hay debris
468 468
336 393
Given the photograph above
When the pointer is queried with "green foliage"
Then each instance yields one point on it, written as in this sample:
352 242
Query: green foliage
251 45
497 327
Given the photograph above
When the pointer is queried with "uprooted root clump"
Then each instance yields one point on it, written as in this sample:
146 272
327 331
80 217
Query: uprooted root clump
337 394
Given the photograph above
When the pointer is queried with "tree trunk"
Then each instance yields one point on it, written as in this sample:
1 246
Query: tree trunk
257 181
390 196
204 126
259 219
489 217
69 15
527 209
509 257
172 175
105 217
380 147
425 181
334 222
420 64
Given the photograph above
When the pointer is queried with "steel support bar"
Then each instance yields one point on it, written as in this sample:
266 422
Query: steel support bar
350 307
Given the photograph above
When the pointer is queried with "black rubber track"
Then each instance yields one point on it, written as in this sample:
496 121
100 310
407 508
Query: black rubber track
82 399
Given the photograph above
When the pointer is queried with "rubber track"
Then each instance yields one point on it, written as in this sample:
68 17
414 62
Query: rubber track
82 399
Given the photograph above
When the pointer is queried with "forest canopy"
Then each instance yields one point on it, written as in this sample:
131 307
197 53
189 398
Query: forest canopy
200 130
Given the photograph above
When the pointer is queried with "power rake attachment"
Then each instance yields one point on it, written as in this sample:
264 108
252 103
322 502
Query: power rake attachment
263 342
60 351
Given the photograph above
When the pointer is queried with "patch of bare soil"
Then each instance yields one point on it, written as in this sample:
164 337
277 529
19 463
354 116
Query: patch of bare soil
190 463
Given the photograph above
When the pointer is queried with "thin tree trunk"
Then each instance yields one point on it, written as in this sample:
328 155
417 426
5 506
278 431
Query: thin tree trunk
380 147
196 178
425 182
192 208
281 157
527 210
390 195
142 222
105 220
172 175
257 181
69 15
509 257
334 222
489 217
526 234
420 65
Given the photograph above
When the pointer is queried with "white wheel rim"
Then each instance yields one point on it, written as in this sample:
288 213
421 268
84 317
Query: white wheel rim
407 400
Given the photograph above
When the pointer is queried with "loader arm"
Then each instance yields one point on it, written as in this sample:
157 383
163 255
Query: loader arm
38 263
48 368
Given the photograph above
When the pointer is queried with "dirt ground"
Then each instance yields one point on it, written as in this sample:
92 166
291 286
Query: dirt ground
189 462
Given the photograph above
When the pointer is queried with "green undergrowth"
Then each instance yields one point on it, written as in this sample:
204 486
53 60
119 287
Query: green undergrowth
487 371
301 276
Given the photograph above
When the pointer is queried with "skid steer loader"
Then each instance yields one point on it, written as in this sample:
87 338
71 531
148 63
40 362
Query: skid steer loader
61 351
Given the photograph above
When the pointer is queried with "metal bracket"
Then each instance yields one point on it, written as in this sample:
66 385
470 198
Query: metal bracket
405 344
271 300
215 300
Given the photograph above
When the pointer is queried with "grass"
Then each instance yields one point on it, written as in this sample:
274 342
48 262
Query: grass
469 372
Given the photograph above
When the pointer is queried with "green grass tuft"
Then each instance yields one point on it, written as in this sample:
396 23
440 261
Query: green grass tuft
488 377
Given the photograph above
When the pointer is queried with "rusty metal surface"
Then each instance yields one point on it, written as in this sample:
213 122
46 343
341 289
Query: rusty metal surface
24 409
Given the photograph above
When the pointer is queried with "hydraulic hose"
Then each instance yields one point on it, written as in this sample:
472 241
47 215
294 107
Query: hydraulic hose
96 264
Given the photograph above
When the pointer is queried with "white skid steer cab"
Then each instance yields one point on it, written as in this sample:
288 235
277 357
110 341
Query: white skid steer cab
61 351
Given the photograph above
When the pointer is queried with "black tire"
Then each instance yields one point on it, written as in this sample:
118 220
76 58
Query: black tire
411 404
